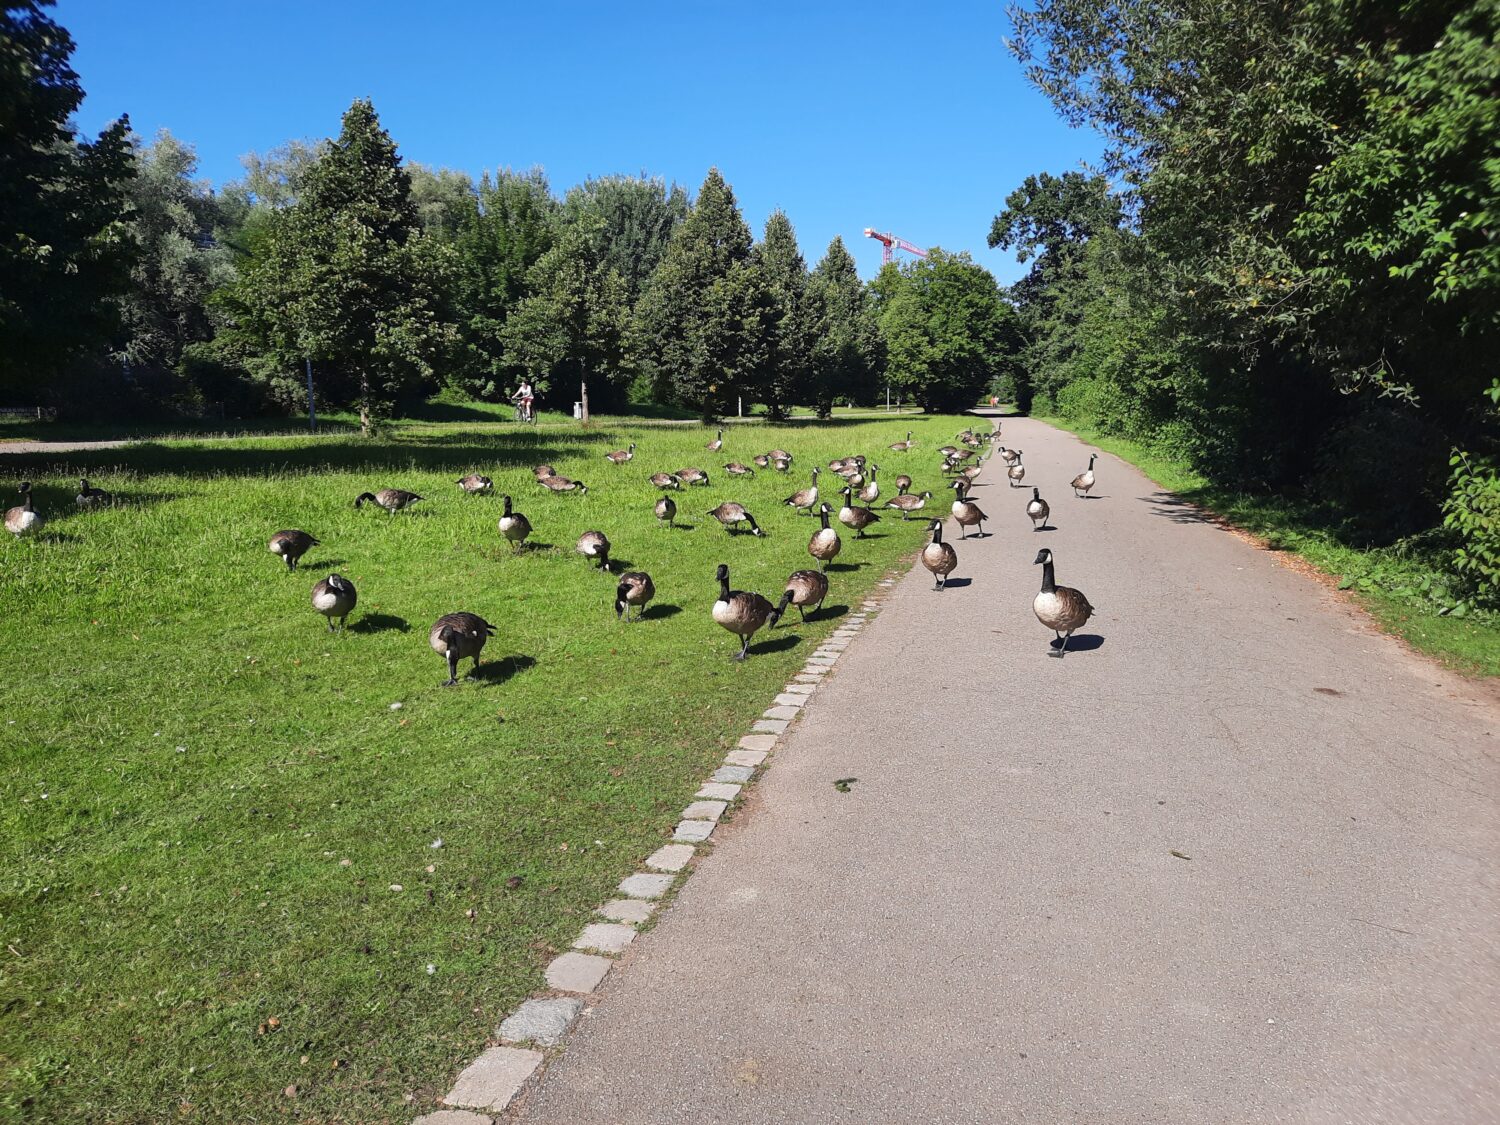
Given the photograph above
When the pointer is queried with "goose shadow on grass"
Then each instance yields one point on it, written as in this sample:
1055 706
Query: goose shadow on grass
380 623
780 644
658 612
320 564
828 613
498 671
1080 642
844 567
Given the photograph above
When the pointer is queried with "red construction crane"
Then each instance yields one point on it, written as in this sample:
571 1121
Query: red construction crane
889 244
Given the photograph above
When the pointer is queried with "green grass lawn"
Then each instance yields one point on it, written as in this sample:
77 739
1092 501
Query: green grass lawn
1398 584
224 876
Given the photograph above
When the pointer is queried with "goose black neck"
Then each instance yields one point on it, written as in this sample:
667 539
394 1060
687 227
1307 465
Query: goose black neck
724 588
824 517
507 506
1049 583
937 533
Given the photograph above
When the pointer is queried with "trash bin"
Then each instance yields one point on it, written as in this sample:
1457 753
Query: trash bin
578 410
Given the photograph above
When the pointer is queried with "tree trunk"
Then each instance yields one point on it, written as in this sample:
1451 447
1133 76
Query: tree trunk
364 404
583 394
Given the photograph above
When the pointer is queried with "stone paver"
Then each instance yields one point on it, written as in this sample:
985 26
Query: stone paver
606 937
783 712
645 886
672 857
704 810
802 690
739 774
577 972
718 791
758 742
454 1117
693 831
813 670
769 726
494 1078
745 757
543 1022
626 910
807 680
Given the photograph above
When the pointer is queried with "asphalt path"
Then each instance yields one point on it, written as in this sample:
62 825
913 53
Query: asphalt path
1233 860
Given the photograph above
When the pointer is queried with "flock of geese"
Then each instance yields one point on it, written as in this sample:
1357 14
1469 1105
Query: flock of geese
462 636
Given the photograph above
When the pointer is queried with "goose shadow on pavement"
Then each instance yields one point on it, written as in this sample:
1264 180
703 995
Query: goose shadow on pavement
1080 642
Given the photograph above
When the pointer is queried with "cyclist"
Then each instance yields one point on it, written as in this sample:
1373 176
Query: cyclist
525 399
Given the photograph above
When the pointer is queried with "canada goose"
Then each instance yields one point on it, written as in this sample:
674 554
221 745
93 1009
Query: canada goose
1009 456
781 464
804 588
475 482
971 473
1038 509
620 456
1085 480
854 517
903 446
839 464
291 546
965 511
25 519
741 613
763 461
903 483
666 509
635 589
717 444
906 503
807 497
563 484
735 469
939 557
665 481
540 471
335 596
513 525
458 636
1061 608
854 479
871 492
391 499
947 451
594 545
1017 474
90 497
692 476
825 543
779 455
731 515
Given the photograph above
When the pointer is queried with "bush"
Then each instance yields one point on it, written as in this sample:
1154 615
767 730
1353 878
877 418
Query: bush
1472 509
1381 470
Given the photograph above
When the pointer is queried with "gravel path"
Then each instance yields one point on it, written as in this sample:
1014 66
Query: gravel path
1232 861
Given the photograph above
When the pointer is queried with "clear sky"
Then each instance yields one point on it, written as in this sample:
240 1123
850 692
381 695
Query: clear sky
908 117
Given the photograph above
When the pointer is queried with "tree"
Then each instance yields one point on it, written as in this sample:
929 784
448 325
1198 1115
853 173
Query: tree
638 214
790 318
64 248
444 198
688 331
346 278
848 354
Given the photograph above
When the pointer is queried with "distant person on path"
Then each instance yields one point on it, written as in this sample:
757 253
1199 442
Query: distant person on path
524 399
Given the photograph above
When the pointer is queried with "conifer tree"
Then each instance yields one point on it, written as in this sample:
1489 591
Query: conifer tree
789 319
848 354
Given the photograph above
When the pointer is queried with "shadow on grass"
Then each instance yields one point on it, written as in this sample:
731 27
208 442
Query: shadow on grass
380 623
659 612
845 567
829 613
1175 508
498 671
320 564
780 644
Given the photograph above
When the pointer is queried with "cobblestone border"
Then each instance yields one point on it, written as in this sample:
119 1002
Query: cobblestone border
491 1082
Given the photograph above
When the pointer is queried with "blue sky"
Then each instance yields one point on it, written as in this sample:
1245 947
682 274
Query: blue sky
905 117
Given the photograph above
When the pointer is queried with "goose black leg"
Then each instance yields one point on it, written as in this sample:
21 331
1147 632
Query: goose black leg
452 668
744 649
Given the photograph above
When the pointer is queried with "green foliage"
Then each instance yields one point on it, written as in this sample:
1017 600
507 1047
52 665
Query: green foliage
444 198
790 319
1472 512
848 356
638 214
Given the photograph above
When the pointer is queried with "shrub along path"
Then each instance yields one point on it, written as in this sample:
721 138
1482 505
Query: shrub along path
1232 860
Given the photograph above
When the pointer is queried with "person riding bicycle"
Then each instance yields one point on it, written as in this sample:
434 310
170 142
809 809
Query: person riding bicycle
525 398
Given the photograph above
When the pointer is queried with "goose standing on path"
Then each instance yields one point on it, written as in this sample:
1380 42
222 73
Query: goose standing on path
1085 480
731 515
335 596
459 636
563 484
513 525
475 483
906 503
24 519
807 497
903 446
871 492
938 557
1038 509
825 543
635 589
594 545
740 612
1061 608
666 511
392 500
1009 456
855 517
291 545
620 456
965 511
1016 473
717 444
89 496
804 588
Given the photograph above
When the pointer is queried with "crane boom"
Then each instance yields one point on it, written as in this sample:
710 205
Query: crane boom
889 244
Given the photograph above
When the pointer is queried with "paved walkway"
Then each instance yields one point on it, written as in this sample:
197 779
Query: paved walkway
1234 863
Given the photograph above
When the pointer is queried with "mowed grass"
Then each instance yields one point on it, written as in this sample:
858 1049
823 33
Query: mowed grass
223 873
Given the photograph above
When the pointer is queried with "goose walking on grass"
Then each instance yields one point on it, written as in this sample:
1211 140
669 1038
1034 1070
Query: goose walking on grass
742 613
24 519
291 545
731 515
854 517
1085 480
1061 608
692 475
805 498
594 545
735 469
804 588
871 491
475 483
563 484
335 596
763 461
903 446
513 525
1038 509
635 589
392 500
965 511
717 444
666 511
620 456
459 636
825 543
781 464
938 557
906 503
666 481
779 455
903 484
91 497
